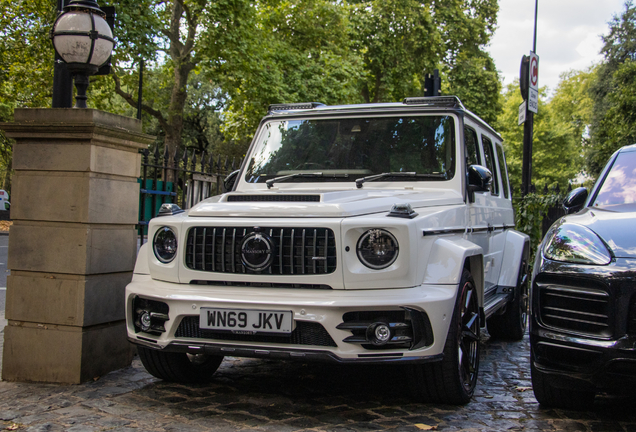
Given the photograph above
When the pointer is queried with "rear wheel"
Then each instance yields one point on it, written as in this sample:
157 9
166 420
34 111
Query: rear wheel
453 380
511 325
549 396
179 367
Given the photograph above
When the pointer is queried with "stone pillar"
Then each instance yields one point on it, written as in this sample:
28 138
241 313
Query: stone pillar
73 244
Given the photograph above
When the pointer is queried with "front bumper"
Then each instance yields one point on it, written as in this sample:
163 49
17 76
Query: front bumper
318 313
583 324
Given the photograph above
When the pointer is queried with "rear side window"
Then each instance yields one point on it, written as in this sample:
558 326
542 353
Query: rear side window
505 181
472 154
491 164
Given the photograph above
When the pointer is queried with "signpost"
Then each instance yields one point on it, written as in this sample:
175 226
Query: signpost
533 83
529 86
522 112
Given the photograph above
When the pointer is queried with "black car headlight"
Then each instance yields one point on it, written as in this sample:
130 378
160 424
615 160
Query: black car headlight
575 243
377 249
165 244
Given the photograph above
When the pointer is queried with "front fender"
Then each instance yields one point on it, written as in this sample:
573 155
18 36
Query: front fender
447 261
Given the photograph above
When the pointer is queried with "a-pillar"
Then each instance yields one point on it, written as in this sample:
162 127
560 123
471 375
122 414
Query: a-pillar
72 246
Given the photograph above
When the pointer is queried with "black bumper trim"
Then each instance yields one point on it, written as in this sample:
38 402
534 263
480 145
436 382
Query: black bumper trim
279 353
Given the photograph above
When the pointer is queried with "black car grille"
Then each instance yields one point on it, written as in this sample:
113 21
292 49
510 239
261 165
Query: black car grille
296 251
274 198
579 310
305 333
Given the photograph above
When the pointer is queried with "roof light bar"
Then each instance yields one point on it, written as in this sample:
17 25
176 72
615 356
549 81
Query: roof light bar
294 106
436 101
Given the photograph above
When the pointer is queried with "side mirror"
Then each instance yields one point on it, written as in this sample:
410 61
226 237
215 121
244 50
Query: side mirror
575 200
479 180
230 180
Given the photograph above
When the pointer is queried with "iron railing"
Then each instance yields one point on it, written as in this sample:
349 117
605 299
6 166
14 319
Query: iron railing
184 179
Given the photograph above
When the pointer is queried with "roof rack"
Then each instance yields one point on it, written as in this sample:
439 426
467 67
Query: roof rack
294 106
435 101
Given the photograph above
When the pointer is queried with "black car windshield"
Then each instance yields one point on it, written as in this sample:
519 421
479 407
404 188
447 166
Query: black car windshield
345 149
619 186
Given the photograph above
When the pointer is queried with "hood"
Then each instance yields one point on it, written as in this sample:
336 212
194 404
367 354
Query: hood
306 203
614 224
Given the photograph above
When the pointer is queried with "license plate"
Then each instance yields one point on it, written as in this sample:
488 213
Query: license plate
246 321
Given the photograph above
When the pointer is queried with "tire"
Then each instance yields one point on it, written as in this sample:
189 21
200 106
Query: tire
511 325
453 380
553 397
179 367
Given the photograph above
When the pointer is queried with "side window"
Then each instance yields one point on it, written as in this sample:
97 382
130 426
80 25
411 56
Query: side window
491 164
472 152
505 181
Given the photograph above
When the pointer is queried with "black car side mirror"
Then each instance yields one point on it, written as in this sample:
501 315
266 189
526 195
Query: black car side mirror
479 180
575 200
230 180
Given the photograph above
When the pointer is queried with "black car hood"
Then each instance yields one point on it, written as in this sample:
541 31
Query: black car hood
616 225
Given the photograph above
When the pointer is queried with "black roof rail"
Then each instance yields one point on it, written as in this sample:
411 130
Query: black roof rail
435 101
294 106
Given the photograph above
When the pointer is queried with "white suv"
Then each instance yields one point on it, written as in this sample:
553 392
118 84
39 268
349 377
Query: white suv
358 233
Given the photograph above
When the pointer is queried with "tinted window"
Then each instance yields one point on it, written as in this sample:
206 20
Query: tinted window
505 181
491 164
619 186
349 148
472 154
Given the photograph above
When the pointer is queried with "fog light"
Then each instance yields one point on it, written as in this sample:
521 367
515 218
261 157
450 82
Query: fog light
144 320
379 333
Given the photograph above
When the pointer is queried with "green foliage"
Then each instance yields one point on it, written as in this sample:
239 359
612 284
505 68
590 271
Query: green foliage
613 122
529 215
298 51
557 141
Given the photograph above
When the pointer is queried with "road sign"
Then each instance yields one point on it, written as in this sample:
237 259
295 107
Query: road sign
533 74
533 100
522 113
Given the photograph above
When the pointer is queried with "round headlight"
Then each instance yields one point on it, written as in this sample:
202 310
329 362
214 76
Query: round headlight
377 249
165 244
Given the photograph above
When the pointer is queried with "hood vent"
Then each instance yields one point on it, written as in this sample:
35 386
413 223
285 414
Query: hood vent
274 198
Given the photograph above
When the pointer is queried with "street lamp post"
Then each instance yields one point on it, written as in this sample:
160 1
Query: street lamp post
83 39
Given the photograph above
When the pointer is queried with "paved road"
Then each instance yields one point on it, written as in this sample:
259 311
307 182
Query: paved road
264 396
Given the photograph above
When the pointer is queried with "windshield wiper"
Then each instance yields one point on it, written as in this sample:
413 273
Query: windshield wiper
271 182
362 180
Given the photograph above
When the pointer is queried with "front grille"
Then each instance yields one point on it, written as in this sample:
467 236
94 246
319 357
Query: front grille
274 198
296 251
579 310
305 333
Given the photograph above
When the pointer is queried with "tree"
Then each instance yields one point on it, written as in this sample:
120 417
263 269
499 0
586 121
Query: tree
556 146
188 33
25 52
614 123
401 41
298 51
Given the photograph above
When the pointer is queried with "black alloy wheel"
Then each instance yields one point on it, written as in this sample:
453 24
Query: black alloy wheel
453 379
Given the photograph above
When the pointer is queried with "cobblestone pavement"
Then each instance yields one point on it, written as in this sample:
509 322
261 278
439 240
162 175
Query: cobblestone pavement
262 395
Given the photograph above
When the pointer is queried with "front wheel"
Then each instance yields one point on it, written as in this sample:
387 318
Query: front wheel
453 380
179 367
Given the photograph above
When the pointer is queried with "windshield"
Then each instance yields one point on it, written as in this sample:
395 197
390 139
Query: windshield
619 186
346 149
